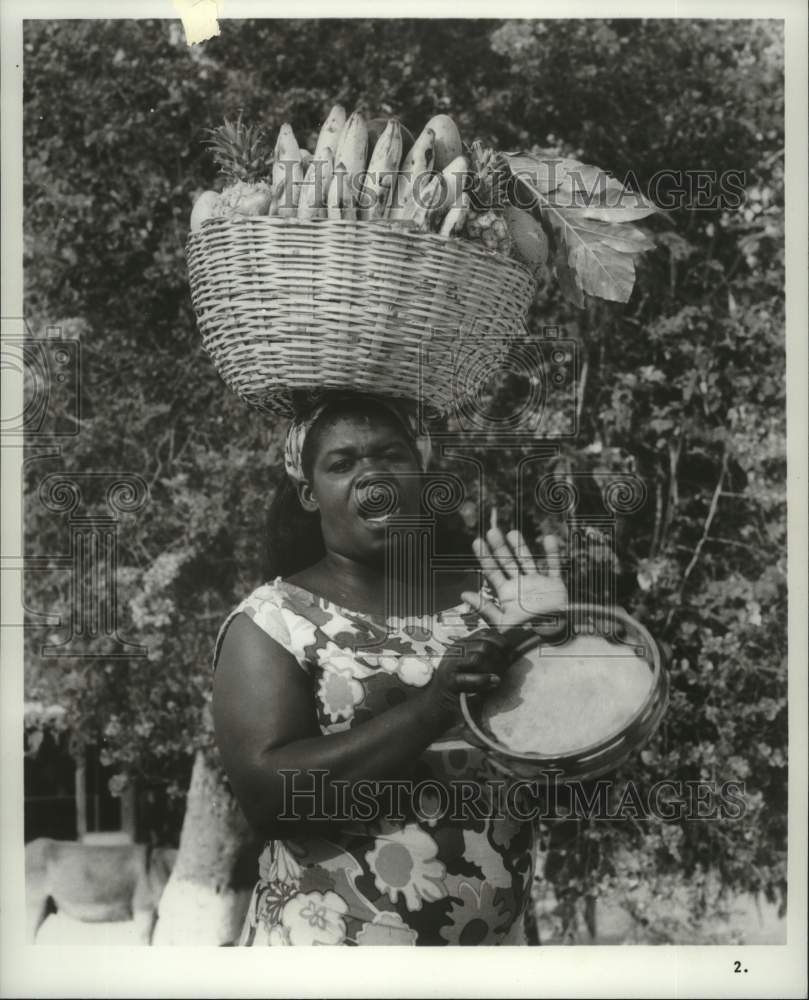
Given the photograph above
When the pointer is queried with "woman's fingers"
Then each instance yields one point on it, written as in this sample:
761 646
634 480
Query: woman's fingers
488 564
522 553
502 552
487 610
551 545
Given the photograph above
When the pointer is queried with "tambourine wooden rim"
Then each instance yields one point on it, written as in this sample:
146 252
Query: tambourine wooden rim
609 751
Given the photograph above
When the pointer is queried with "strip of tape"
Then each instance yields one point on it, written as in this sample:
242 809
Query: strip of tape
199 19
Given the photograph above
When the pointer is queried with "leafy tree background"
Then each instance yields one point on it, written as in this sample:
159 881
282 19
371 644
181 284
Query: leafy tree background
684 386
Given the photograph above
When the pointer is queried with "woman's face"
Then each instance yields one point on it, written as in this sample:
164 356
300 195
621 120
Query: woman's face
364 470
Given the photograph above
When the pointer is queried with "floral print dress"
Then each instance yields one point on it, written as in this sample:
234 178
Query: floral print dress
426 876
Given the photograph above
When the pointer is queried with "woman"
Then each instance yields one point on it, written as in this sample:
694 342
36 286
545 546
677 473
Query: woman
326 712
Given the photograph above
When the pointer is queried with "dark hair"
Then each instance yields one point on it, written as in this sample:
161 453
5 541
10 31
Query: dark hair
293 539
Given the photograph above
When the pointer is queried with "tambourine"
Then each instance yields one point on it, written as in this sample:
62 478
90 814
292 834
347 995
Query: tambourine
580 702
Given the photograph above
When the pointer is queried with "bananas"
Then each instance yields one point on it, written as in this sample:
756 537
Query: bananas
417 163
320 169
330 132
455 219
379 180
351 154
287 175
448 143
456 178
363 170
423 205
340 200
315 188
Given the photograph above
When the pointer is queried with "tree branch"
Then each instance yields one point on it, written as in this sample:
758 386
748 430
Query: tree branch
673 499
708 522
585 368
717 493
658 517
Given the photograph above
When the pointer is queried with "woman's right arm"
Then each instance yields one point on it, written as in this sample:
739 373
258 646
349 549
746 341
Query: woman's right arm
265 721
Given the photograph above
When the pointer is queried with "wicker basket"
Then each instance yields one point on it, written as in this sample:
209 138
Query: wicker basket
287 307
606 754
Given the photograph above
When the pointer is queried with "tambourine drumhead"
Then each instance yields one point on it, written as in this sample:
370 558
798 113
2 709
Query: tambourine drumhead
557 700
580 702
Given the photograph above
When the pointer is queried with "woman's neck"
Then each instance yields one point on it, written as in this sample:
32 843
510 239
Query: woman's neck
365 588
345 582
354 575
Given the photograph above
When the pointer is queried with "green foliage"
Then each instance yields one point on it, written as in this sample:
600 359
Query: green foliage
586 212
683 387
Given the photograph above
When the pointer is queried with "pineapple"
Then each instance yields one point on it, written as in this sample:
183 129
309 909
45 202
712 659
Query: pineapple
243 156
487 197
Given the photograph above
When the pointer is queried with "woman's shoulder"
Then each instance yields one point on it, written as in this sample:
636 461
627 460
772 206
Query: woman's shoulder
279 594
271 593
280 614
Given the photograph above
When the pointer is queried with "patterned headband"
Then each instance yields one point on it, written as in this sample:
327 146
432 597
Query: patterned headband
404 412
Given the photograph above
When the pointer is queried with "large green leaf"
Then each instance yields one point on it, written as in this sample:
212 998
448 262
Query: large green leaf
600 270
589 214
543 175
620 236
596 195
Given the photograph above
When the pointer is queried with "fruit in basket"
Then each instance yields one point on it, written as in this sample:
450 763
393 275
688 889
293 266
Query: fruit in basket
330 132
318 172
448 143
424 202
418 161
381 174
456 178
334 196
242 154
455 218
376 126
242 199
315 188
490 229
529 242
287 174
340 199
352 152
487 197
205 207
303 185
490 177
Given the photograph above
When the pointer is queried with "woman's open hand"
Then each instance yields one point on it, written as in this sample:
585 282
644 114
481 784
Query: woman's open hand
522 591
